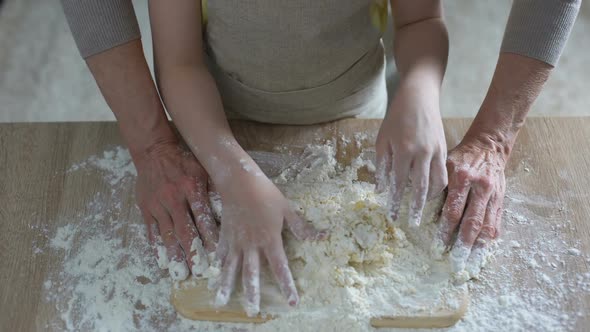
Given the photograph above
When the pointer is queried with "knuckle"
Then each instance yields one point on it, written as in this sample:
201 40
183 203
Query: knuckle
462 174
422 150
454 216
486 184
475 223
406 147
488 232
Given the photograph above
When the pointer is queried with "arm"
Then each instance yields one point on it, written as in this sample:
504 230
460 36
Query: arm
254 210
188 89
412 129
535 36
107 35
125 82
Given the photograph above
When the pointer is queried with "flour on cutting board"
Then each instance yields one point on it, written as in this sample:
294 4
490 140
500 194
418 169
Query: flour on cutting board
107 282
367 267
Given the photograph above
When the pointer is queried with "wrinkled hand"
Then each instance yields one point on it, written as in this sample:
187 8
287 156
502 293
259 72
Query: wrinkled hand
172 195
411 146
254 211
474 203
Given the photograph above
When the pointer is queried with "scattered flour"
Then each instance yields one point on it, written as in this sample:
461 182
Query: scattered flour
115 164
108 282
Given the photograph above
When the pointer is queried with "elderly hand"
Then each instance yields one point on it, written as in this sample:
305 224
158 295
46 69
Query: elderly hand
172 195
411 146
474 203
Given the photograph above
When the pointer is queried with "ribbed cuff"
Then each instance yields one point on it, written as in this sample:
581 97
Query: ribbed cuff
540 28
99 25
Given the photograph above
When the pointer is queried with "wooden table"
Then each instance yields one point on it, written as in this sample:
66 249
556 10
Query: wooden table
551 160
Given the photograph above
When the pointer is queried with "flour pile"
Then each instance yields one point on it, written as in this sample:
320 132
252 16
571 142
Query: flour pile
108 280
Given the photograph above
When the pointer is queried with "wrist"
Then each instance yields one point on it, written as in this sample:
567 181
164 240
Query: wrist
494 131
426 80
145 144
227 162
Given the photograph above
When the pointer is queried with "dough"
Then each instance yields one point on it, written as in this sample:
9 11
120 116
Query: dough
369 266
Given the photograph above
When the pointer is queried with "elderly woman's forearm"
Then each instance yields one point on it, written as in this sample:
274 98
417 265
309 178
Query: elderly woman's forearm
124 79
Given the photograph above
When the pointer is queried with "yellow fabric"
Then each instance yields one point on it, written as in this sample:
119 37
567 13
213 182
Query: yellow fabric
378 12
204 12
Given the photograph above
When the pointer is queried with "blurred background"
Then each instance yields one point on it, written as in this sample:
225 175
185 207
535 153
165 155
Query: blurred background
43 78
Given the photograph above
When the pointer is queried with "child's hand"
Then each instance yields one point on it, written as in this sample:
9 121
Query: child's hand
254 212
411 145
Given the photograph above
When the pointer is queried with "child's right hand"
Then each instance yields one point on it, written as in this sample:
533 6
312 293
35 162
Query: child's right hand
254 212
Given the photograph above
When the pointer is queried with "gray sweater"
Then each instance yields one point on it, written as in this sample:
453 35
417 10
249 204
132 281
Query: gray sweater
536 28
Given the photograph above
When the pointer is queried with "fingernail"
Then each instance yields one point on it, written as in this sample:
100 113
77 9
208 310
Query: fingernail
178 270
458 257
293 299
221 298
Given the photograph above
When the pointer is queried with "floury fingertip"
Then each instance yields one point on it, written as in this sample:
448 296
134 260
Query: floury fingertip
162 257
178 270
478 259
200 262
221 298
458 256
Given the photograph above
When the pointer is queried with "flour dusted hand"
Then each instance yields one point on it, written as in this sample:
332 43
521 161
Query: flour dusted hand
411 147
254 212
474 202
172 195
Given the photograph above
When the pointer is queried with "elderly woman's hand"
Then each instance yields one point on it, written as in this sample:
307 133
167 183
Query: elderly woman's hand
172 195
474 203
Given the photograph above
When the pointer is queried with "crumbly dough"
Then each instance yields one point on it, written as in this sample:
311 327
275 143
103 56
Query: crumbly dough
369 266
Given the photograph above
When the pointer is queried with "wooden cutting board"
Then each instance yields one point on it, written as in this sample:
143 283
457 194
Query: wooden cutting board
193 300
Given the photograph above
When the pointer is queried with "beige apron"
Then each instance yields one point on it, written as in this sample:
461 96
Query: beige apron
297 61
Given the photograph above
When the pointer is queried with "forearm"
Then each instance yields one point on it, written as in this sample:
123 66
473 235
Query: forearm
535 37
516 84
421 51
124 79
192 99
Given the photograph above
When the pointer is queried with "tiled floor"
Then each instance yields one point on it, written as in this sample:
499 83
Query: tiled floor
42 77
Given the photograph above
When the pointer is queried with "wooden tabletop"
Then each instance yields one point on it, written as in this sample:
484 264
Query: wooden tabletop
550 164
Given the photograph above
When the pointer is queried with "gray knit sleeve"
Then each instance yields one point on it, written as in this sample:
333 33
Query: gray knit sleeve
540 28
98 25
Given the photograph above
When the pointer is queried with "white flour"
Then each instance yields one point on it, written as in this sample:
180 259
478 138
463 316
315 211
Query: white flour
366 267
111 283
